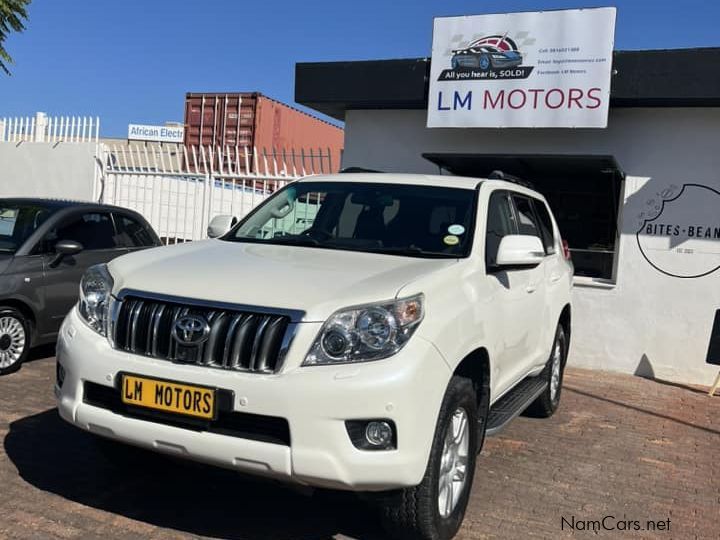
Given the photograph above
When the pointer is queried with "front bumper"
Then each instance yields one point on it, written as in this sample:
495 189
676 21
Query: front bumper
316 401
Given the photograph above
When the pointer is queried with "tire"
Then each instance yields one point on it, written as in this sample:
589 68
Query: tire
547 403
484 63
14 339
414 513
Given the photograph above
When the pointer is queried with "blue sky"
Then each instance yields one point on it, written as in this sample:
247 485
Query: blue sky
133 61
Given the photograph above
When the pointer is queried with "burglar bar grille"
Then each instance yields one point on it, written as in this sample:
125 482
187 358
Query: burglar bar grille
238 340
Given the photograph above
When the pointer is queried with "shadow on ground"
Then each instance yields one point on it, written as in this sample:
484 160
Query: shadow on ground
187 497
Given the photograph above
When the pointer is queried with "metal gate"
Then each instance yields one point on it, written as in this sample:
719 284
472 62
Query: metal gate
180 191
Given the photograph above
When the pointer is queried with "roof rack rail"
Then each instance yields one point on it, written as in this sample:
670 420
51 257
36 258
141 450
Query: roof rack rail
358 170
500 175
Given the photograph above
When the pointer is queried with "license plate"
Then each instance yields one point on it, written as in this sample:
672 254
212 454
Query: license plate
169 396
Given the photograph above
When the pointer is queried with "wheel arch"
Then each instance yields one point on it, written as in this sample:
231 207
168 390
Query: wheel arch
476 367
565 321
23 308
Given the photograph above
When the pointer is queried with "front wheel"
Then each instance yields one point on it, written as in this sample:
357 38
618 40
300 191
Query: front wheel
434 510
14 339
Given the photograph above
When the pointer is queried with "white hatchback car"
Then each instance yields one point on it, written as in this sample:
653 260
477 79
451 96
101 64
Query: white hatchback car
355 331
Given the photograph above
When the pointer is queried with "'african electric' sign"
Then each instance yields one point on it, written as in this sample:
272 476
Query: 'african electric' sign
542 69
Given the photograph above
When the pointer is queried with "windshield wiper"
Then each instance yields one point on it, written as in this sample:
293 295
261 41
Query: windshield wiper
295 240
411 250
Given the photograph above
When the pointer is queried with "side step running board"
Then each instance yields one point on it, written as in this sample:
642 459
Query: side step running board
515 402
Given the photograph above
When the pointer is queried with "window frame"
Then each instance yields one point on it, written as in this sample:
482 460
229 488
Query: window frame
516 212
43 246
612 190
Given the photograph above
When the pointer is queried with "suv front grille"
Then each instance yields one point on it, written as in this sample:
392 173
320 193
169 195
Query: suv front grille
237 340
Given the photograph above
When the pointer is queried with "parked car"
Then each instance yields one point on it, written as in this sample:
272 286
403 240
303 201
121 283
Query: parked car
45 248
485 57
360 332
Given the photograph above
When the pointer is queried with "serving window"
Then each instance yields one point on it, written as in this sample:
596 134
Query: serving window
583 193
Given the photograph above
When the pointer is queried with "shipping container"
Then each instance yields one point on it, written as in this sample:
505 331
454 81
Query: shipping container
254 121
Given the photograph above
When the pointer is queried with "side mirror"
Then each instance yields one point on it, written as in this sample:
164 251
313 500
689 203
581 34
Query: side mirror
219 225
519 250
65 248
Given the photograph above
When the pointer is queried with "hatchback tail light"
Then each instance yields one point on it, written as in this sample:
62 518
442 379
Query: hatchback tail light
566 250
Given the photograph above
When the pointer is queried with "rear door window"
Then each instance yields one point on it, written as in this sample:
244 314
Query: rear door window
131 233
526 220
546 226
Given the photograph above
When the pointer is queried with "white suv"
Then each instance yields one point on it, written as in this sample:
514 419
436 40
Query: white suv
355 331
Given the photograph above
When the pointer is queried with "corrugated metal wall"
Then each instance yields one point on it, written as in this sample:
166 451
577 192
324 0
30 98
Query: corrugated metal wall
255 121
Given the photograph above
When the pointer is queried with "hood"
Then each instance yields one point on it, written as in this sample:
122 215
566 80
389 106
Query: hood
5 259
315 281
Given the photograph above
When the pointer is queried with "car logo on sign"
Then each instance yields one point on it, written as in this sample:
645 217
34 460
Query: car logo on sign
191 330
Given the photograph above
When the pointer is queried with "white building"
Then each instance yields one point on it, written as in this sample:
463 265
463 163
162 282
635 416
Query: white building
638 201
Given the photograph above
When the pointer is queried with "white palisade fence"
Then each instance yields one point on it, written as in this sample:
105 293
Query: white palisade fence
43 128
179 190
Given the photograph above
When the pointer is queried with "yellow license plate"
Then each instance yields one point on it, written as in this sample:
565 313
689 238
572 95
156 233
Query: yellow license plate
169 396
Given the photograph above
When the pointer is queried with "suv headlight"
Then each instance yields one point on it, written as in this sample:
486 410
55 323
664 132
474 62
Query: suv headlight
365 333
94 305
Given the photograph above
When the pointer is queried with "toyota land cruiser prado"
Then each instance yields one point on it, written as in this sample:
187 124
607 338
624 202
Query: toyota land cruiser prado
357 331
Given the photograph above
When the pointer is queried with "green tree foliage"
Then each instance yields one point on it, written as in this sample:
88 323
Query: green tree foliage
12 13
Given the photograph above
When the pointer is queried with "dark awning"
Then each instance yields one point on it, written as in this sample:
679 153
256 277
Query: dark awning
651 78
531 167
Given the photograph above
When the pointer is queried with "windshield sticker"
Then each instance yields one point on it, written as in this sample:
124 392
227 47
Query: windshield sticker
451 240
456 229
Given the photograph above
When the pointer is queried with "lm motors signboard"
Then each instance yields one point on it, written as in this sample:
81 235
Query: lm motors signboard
534 69
141 132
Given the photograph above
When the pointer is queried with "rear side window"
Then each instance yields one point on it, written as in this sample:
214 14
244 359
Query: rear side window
546 226
499 225
131 233
527 221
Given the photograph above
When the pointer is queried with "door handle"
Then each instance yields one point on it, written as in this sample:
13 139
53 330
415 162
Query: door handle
531 288
555 279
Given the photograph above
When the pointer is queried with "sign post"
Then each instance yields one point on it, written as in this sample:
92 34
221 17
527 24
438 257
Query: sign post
534 69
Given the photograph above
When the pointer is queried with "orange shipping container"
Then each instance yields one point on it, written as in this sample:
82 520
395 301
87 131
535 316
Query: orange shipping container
251 120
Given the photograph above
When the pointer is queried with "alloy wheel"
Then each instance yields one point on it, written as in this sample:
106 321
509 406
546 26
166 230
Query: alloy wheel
556 365
453 463
12 341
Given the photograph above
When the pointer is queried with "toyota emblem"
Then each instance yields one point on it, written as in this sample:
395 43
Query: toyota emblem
190 330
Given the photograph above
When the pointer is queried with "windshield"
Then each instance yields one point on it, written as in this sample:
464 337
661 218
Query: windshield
18 222
398 219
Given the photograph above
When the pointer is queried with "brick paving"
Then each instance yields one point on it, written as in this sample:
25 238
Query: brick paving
619 446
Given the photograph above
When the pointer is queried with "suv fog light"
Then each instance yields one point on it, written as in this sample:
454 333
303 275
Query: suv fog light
377 434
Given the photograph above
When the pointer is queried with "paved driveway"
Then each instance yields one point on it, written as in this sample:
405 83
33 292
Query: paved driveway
619 446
